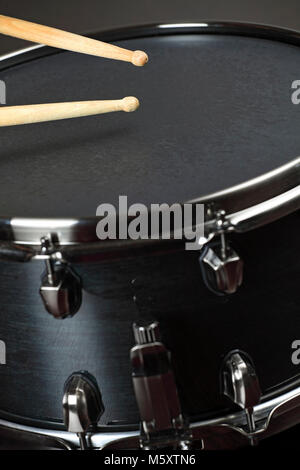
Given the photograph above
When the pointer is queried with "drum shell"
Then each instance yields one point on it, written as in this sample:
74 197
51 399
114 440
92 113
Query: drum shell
198 327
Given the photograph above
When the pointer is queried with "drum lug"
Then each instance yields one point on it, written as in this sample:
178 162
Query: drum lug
221 266
82 405
61 287
240 384
162 422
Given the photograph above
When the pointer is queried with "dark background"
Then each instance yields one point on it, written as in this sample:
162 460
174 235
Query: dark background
90 15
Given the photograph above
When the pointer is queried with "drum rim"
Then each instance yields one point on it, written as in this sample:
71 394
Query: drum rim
104 436
274 396
232 199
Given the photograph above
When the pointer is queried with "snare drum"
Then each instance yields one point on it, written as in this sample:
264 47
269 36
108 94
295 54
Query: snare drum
217 126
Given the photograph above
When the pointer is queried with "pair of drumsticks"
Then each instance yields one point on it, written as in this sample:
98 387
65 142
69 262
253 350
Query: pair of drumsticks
15 115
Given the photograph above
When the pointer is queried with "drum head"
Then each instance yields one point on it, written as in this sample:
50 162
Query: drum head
215 111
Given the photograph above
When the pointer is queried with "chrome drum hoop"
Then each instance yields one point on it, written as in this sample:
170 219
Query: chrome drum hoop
27 231
264 415
246 195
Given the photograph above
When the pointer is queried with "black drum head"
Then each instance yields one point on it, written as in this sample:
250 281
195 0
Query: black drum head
216 110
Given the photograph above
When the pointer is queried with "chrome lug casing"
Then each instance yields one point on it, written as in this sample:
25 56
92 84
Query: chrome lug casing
82 405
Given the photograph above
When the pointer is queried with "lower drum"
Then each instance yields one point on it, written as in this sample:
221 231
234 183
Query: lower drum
228 314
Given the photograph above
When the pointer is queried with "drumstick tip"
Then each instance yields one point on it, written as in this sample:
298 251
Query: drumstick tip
130 103
139 58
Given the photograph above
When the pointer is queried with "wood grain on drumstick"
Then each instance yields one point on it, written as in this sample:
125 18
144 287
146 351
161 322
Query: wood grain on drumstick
63 40
28 114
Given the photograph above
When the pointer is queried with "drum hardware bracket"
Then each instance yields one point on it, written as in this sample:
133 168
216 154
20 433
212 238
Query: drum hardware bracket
60 289
82 405
240 384
258 426
162 423
221 266
249 218
217 223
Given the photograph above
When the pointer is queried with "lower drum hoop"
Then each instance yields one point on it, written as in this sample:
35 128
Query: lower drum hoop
222 433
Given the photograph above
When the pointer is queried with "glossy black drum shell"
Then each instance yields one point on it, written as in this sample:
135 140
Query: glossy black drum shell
199 328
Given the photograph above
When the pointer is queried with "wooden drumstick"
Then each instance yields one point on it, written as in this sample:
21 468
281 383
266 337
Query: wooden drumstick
16 115
63 40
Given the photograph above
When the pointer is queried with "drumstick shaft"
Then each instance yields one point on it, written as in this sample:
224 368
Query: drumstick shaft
63 40
16 115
